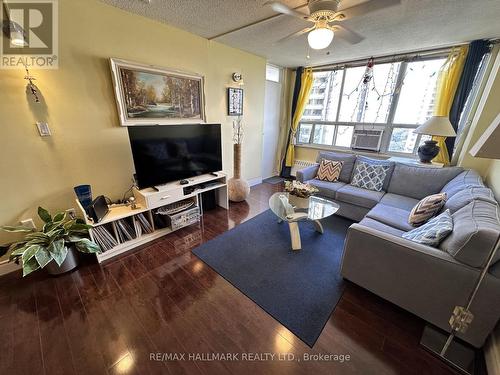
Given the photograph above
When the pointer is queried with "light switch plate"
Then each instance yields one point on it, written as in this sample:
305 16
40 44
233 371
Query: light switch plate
43 129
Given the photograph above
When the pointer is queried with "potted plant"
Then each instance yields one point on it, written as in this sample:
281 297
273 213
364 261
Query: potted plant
299 193
54 247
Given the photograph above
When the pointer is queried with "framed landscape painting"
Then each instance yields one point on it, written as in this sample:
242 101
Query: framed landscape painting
149 95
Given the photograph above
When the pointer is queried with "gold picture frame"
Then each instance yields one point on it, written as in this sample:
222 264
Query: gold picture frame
151 95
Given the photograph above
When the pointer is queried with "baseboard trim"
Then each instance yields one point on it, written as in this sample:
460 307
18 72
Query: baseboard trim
492 355
254 181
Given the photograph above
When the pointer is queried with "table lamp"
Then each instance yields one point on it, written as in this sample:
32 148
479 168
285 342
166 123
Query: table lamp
436 126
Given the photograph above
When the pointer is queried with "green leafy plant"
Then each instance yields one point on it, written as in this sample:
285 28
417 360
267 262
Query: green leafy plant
38 248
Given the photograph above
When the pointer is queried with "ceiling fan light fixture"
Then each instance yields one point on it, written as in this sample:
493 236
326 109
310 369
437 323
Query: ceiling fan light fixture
320 38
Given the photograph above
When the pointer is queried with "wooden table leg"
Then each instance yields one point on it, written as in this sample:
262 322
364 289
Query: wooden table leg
318 226
295 235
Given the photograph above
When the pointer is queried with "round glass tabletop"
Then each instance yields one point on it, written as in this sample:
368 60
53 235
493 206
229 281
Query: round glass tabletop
291 208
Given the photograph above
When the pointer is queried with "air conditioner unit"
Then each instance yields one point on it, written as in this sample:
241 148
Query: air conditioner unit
367 139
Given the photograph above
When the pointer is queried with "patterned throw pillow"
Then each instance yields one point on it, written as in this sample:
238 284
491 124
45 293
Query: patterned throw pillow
329 170
426 208
432 232
369 176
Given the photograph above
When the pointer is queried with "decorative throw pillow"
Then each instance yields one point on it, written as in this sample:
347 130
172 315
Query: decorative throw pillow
426 208
432 232
368 176
329 170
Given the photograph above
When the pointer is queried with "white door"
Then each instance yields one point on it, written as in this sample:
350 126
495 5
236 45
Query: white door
271 128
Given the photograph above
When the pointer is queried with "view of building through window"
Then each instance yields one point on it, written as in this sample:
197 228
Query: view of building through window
396 97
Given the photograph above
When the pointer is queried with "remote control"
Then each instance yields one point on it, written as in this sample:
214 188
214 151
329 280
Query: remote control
183 182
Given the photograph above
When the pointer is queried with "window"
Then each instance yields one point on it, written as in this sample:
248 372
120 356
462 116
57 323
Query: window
398 96
418 94
305 131
344 136
273 73
324 96
368 103
323 134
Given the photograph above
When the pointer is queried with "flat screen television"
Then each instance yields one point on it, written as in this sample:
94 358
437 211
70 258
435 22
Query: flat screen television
174 152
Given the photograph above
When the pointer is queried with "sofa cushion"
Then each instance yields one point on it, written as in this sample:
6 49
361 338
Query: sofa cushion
388 163
399 201
465 179
426 208
476 229
348 159
358 196
371 223
326 189
369 176
433 232
419 182
329 170
467 195
393 216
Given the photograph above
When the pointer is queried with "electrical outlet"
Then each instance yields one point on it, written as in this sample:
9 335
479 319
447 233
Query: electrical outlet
28 223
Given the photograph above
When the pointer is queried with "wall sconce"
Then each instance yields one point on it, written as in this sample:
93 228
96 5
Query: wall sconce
237 78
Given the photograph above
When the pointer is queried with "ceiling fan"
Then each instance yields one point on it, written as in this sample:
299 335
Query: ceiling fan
328 19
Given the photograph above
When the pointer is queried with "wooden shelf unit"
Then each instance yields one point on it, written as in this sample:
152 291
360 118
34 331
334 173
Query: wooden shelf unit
150 199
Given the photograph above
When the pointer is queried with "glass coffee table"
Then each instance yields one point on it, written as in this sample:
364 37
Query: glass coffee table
293 209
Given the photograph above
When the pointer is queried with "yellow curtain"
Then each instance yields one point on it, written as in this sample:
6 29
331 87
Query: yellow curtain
306 82
448 79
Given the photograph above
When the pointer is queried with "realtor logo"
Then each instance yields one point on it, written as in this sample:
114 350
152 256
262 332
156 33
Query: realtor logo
30 34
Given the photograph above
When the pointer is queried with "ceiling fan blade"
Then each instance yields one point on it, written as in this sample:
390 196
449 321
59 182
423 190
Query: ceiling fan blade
345 33
370 6
284 9
298 33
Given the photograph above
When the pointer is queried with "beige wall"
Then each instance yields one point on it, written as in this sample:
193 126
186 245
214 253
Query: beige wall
486 111
88 145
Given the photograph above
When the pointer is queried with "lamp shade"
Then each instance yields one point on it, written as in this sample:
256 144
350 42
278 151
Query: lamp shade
488 145
437 125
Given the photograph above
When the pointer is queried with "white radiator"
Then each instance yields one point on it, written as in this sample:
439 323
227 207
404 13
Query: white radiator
300 164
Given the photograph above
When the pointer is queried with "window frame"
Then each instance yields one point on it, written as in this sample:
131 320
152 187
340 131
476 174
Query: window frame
387 126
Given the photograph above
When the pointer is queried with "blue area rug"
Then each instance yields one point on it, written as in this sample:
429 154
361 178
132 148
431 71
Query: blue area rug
300 289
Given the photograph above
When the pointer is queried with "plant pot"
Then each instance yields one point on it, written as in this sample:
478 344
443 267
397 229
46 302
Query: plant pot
428 151
238 189
70 263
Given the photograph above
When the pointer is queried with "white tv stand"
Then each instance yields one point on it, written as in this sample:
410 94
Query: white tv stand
150 199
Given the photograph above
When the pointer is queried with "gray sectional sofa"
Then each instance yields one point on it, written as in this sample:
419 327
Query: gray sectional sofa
424 280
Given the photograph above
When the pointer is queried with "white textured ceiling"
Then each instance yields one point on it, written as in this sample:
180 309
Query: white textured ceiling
415 24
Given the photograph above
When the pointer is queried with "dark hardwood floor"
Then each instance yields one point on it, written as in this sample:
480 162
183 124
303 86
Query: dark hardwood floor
108 319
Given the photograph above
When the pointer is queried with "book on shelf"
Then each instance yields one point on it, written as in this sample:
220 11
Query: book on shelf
125 231
104 238
143 224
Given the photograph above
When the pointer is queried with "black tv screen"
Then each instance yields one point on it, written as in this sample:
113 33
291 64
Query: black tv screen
174 152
